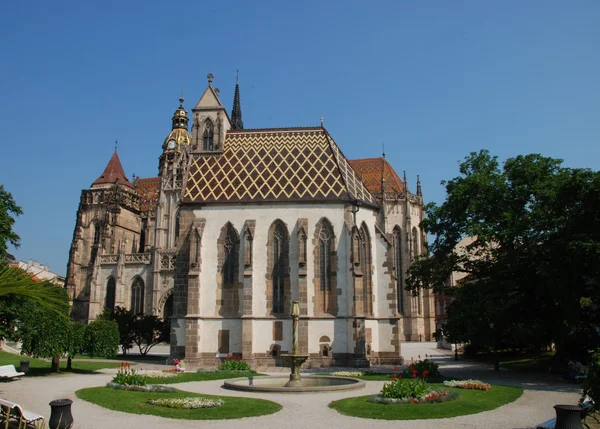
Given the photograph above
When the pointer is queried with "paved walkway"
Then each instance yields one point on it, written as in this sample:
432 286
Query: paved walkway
304 410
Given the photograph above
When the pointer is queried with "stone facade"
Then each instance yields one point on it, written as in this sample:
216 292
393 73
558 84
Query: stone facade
238 224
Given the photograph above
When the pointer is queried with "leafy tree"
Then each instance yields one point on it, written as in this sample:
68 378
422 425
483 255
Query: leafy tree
125 320
8 209
75 341
149 331
42 333
102 338
532 269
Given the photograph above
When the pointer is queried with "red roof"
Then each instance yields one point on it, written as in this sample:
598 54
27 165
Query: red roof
372 170
113 173
147 190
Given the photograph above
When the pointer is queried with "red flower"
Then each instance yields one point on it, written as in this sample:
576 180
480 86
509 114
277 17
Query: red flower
414 373
414 400
395 369
425 373
393 376
400 377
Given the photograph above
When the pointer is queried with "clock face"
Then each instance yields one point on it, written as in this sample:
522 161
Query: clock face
171 144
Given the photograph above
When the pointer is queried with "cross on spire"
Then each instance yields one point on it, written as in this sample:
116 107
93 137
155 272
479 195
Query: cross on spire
116 144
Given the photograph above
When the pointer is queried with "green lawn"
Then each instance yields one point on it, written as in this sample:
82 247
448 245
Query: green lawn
38 367
185 377
519 361
469 402
385 377
137 403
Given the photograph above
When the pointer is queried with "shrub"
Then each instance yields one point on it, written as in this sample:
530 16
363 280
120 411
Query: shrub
234 363
129 377
148 388
422 368
102 338
403 388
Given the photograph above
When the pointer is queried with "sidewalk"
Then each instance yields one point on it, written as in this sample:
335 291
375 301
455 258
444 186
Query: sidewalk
302 411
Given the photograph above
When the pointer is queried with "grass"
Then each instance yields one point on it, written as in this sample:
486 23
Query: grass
137 403
385 376
39 367
468 402
199 376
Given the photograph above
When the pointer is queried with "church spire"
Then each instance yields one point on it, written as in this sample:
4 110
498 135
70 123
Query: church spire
419 193
236 111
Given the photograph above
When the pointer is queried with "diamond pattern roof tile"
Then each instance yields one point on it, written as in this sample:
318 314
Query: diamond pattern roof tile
287 165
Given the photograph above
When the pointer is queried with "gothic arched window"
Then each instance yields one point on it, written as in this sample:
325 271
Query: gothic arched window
398 268
208 136
137 296
111 289
176 225
278 263
365 264
325 272
229 258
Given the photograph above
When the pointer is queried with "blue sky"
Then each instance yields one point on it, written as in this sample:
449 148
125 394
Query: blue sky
433 80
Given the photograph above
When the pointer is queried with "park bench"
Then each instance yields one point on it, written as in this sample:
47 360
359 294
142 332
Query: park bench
10 410
9 371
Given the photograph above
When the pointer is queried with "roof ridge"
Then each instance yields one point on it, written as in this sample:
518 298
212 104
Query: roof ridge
344 178
113 173
254 130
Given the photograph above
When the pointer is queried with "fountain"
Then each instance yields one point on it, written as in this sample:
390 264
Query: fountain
295 358
296 383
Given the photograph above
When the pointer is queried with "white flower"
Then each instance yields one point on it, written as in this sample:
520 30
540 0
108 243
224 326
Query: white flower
347 373
187 403
159 374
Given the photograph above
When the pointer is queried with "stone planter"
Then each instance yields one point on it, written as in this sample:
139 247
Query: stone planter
60 417
24 366
568 417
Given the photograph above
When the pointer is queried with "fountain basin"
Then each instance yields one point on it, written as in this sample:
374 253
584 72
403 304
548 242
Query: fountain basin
310 383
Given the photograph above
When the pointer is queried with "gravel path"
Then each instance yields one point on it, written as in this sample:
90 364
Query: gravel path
302 410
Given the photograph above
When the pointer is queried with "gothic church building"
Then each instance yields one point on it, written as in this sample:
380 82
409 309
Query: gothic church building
241 222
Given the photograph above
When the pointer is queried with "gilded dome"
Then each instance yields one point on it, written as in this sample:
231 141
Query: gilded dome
179 134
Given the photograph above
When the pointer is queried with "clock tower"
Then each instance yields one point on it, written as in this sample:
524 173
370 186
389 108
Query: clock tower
172 168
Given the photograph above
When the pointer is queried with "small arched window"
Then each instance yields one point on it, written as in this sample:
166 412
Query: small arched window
137 296
111 288
208 136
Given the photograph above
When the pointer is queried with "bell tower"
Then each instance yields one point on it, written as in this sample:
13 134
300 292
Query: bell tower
210 121
173 164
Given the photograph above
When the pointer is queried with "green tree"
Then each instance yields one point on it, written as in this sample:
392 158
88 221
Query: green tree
42 333
532 268
75 341
125 320
102 338
148 331
8 209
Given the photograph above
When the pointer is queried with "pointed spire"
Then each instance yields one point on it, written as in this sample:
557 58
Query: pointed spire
405 182
113 174
419 193
236 111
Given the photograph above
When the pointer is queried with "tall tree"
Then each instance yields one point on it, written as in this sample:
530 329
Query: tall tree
8 209
532 268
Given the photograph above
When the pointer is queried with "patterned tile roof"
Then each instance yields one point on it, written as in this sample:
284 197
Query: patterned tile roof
147 189
268 165
371 170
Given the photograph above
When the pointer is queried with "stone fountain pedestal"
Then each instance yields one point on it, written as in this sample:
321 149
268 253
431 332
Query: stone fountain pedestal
296 361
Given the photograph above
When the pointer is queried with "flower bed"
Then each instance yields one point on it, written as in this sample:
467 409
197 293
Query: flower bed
187 403
404 390
146 388
158 374
347 373
128 377
434 396
468 384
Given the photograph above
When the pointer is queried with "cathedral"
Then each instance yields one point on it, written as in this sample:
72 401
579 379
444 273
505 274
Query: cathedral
238 224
